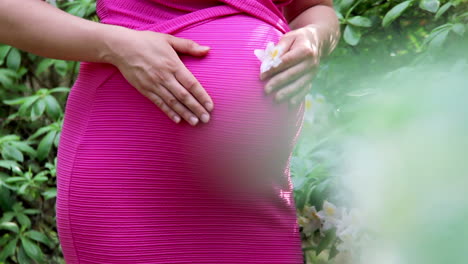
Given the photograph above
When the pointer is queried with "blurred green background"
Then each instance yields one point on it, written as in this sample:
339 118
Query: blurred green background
385 132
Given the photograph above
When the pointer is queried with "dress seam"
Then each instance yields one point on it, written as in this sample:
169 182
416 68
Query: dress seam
74 162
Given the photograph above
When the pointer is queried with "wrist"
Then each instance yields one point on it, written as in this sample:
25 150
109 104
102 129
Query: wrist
326 37
319 36
110 39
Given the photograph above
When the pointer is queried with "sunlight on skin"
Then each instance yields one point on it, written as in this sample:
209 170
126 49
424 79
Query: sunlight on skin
292 79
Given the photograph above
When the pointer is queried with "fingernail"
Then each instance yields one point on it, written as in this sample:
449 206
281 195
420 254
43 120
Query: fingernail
193 120
209 106
176 119
205 118
203 48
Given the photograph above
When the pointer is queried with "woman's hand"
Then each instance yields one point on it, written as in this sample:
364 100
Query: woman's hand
292 78
149 61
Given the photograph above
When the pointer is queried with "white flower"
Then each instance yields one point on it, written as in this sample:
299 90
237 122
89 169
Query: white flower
310 221
270 57
317 109
329 216
349 225
346 245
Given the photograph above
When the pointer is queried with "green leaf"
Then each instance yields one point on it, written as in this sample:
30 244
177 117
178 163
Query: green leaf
9 152
340 16
15 101
27 104
324 185
9 250
4 49
443 9
430 5
57 139
40 178
31 211
38 109
91 9
352 35
4 239
77 10
345 4
326 241
14 179
40 237
61 67
45 145
459 29
7 76
8 164
437 37
60 89
23 220
44 65
53 107
360 21
22 189
22 257
31 249
7 217
395 12
40 131
24 147
10 226
9 138
333 252
50 193
14 59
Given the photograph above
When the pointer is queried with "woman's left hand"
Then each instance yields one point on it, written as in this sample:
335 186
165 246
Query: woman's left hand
292 78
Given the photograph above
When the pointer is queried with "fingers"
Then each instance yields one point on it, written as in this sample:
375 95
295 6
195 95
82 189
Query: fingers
187 46
191 84
286 42
290 58
182 95
300 96
177 106
302 83
156 99
287 76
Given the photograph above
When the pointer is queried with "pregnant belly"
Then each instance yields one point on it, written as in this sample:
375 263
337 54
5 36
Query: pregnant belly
245 146
126 171
250 135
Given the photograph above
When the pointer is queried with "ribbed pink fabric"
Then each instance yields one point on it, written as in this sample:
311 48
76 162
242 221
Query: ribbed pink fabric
136 188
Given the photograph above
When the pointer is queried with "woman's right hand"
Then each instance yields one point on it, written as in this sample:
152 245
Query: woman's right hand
149 61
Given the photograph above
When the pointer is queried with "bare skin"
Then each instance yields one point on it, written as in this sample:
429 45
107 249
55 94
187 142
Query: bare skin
148 60
314 34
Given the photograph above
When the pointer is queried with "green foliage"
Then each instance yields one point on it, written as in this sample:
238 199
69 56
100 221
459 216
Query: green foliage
33 91
404 158
380 38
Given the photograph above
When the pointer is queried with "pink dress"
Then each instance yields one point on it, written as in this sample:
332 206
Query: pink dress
136 188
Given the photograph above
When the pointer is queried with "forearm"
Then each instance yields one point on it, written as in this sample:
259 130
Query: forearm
322 20
39 28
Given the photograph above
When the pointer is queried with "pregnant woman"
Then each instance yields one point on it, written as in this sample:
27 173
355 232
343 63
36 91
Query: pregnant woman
175 148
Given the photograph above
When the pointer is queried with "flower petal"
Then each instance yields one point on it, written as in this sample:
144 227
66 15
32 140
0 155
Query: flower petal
266 65
276 62
270 46
280 50
260 54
